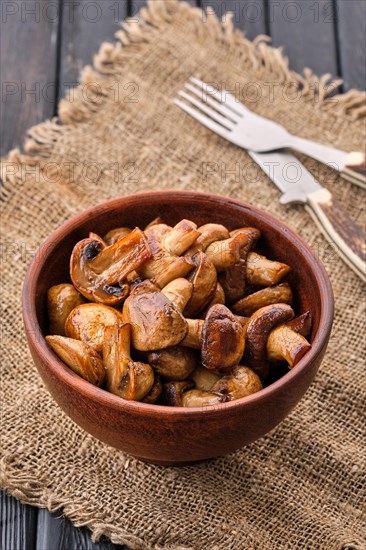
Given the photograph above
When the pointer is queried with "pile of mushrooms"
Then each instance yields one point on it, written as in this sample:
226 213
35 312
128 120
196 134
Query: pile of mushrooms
182 316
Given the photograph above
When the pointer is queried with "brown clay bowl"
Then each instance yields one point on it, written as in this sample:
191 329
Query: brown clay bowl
169 435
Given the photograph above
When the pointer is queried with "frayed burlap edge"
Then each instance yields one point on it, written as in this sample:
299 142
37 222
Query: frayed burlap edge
42 140
139 33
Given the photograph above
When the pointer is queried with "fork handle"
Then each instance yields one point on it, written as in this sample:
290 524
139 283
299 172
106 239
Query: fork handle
339 229
354 169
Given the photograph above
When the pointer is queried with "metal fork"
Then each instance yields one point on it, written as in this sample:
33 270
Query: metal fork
233 121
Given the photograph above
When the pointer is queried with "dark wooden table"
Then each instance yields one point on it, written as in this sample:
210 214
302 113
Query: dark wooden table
44 44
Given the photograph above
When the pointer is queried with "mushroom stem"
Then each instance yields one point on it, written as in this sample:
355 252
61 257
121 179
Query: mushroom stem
264 272
284 344
180 238
279 294
178 292
225 254
126 378
209 233
193 338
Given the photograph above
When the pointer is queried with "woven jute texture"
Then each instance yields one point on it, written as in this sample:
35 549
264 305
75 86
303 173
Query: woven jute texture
299 487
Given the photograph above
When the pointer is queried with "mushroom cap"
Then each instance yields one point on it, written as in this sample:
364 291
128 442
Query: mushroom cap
218 298
222 340
302 324
258 328
284 344
156 391
156 324
209 233
96 270
178 291
228 253
87 322
180 238
204 281
175 363
80 357
61 300
241 382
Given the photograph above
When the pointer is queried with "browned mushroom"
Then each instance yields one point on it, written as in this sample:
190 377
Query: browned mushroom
264 272
204 379
284 344
226 254
61 300
193 338
180 238
241 382
88 322
175 363
156 323
178 292
204 281
279 294
163 267
95 271
156 391
209 233
302 324
156 221
80 357
115 235
173 392
126 378
200 398
233 279
260 324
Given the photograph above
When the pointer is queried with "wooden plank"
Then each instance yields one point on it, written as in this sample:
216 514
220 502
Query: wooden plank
249 15
58 533
28 45
18 524
136 5
306 29
85 25
352 42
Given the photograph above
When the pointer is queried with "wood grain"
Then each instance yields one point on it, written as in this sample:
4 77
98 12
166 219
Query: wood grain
249 15
28 68
18 524
306 30
85 25
56 532
352 42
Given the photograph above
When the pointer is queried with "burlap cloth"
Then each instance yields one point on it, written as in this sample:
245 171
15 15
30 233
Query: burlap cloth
300 486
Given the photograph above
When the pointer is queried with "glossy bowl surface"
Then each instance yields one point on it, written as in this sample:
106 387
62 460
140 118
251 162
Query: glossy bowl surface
168 435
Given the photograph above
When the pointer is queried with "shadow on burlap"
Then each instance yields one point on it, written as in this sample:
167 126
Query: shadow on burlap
301 485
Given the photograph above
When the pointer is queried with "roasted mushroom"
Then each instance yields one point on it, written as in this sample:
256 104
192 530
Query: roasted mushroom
173 392
115 235
61 300
163 267
220 337
180 238
200 398
99 273
226 254
178 292
284 344
204 379
264 272
156 323
126 378
88 322
241 382
279 294
80 357
209 233
260 324
174 363
302 324
233 279
218 298
204 281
